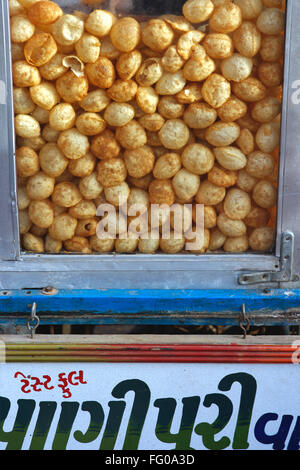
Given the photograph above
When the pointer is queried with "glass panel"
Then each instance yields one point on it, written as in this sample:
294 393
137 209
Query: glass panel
148 127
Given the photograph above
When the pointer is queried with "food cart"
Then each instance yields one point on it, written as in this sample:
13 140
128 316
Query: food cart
191 391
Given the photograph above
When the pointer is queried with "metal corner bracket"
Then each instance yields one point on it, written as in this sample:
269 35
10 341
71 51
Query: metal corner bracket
285 272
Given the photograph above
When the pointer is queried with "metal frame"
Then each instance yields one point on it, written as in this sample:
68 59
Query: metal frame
137 271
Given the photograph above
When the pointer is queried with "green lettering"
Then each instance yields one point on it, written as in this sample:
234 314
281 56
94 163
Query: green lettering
116 411
249 386
139 410
96 422
15 438
207 430
167 407
65 423
44 420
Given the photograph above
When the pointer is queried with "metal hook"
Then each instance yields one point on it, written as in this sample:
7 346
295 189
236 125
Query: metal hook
244 319
34 320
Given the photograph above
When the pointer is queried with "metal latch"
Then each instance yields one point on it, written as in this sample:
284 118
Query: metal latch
285 272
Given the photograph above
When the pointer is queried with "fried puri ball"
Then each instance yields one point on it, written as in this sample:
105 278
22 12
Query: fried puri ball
185 184
170 83
44 12
23 103
187 42
237 67
66 194
72 88
40 49
117 195
245 181
90 124
210 194
271 48
237 204
41 213
84 209
105 145
122 90
27 126
95 101
101 73
140 161
271 21
226 18
267 137
270 73
27 162
247 39
15 8
161 192
218 45
73 144
77 244
128 63
173 244
197 158
51 245
147 99
230 157
149 243
102 245
167 165
125 34
250 90
83 166
62 117
128 244
152 122
68 29
197 11
137 202
24 74
88 48
52 160
33 243
197 69
174 134
216 90
118 114
172 60
250 9
232 110
266 110
221 134
90 187
236 244
262 239
246 141
40 186
99 23
257 217
217 240
21 29
199 115
157 35
222 177
44 95
86 227
132 135
264 194
54 68
260 164
63 227
111 172
230 227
